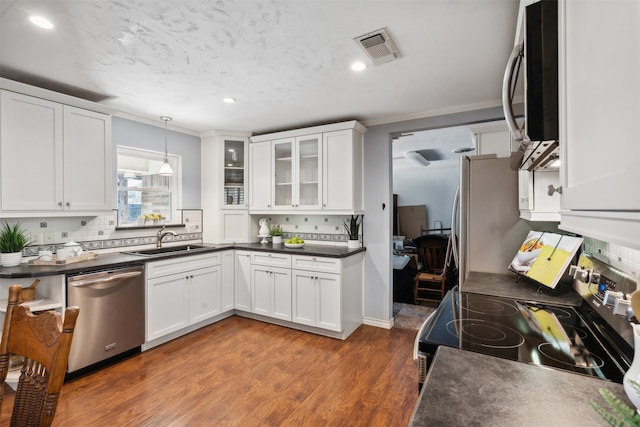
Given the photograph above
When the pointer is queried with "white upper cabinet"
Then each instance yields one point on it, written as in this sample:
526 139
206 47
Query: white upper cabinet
342 171
493 138
312 169
599 58
539 199
297 166
68 151
260 176
87 160
224 183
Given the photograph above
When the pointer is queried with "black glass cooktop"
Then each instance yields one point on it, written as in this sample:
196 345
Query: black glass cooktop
545 335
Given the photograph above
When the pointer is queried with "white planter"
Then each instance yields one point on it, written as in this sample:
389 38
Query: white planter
11 259
353 243
277 240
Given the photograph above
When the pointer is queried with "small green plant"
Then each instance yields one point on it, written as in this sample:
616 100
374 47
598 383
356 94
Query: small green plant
624 415
12 238
276 230
353 227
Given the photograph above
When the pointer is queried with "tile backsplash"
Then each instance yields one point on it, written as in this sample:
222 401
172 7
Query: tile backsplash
324 229
623 258
99 233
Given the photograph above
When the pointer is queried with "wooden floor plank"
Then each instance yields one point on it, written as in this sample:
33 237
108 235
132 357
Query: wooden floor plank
242 372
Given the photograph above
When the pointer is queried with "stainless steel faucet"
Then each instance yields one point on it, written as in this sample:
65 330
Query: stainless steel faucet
161 234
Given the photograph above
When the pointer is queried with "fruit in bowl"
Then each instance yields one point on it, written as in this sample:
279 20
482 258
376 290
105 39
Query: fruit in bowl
529 251
294 242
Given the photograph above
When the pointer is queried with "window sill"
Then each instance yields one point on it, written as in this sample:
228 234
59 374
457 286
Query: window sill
147 227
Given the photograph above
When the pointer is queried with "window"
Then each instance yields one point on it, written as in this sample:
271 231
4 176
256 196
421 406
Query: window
146 198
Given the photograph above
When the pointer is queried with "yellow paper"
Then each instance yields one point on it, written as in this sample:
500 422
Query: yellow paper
545 270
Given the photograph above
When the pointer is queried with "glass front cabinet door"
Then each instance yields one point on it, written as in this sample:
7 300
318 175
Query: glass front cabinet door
297 166
235 174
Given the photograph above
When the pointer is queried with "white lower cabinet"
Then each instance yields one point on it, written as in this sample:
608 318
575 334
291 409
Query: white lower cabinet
271 291
181 292
320 294
317 299
242 280
227 281
167 305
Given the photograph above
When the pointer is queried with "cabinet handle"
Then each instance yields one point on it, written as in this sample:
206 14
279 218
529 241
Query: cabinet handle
68 204
60 204
191 277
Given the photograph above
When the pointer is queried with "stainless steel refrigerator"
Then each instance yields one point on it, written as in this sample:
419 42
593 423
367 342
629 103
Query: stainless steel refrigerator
489 228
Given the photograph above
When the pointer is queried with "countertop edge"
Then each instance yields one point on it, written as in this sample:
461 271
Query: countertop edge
463 385
122 259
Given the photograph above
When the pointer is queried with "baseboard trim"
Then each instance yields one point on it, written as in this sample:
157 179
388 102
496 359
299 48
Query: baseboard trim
385 324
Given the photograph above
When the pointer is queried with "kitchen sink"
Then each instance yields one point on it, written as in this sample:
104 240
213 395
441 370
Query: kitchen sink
167 250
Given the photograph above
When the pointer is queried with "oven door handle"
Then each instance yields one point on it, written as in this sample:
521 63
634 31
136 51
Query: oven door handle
420 331
105 279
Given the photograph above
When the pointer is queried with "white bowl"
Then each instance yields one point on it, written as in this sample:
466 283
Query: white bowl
293 245
526 258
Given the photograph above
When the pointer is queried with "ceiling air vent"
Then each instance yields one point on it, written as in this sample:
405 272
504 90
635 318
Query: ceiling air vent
378 46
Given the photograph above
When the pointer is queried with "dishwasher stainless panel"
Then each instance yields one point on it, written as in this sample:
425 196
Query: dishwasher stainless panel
112 314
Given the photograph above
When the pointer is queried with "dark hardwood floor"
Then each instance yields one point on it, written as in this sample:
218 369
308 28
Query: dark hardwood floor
241 372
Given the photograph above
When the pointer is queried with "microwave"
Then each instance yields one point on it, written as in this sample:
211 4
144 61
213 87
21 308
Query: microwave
538 56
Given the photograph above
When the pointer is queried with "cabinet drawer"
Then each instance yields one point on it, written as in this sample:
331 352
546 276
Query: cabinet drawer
271 259
181 264
312 263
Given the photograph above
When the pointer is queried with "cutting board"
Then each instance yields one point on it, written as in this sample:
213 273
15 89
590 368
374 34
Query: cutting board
84 257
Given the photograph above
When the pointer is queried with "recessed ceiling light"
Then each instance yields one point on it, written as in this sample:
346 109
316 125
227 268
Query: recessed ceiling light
229 100
462 150
358 66
41 22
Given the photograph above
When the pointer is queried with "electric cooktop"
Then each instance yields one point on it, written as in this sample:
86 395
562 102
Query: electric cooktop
545 335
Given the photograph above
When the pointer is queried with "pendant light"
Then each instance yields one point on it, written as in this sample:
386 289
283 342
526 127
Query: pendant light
165 169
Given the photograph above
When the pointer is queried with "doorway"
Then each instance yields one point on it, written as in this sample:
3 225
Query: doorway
425 175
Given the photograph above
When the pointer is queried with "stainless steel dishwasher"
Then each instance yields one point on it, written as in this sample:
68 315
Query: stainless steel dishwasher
112 320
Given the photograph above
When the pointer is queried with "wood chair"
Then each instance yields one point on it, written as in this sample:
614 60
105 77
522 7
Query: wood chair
435 254
44 340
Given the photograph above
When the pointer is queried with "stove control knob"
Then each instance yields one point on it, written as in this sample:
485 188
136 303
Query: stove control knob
595 277
622 307
610 297
579 273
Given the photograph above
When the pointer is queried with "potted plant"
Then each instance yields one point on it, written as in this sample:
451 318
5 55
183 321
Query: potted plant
13 239
353 231
276 234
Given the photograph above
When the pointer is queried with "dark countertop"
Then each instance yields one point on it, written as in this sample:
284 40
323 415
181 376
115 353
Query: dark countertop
472 389
506 285
311 250
121 259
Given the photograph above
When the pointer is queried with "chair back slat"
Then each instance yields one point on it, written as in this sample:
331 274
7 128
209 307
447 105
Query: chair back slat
435 253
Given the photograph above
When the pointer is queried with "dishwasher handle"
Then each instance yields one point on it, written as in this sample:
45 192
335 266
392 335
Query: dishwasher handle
104 279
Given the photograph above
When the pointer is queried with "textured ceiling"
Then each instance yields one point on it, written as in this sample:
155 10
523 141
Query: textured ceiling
286 62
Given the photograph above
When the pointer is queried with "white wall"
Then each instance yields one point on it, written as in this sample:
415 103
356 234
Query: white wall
433 186
378 204
139 135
